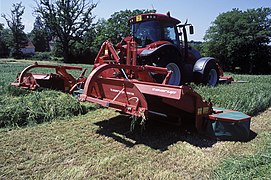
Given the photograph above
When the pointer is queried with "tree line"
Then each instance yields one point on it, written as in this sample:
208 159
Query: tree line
239 39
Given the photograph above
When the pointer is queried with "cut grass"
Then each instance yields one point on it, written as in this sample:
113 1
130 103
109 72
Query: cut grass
257 166
253 166
97 146
20 107
37 107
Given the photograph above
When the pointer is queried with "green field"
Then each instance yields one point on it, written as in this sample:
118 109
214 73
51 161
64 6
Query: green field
82 141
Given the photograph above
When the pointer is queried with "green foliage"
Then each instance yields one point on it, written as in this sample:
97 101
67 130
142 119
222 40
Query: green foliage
44 56
67 20
257 166
14 22
250 98
5 37
40 36
196 45
240 39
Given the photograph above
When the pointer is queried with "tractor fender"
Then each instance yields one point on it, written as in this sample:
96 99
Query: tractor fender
157 50
201 63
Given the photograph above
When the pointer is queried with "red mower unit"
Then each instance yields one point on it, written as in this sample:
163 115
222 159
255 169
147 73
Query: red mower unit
146 75
59 80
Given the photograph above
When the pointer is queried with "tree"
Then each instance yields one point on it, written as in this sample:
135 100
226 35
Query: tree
3 44
40 35
14 22
196 45
116 27
68 20
6 37
241 39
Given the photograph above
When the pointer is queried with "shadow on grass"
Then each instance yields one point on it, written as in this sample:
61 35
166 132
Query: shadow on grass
252 135
156 135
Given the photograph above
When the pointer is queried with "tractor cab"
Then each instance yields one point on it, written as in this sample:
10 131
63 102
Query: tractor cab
153 30
148 32
152 27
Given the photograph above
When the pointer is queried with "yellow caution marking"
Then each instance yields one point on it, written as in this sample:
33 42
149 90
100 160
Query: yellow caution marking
138 18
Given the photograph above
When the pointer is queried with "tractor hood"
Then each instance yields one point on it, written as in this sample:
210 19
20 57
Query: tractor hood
152 48
147 50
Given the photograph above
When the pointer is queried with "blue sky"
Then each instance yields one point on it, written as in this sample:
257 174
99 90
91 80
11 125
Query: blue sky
199 12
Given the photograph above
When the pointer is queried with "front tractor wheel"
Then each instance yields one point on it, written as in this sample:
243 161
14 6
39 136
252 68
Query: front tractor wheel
167 56
211 74
176 75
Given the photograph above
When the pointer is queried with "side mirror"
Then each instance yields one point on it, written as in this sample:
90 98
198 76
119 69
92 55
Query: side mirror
191 29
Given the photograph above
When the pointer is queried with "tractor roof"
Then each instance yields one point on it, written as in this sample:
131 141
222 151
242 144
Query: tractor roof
153 16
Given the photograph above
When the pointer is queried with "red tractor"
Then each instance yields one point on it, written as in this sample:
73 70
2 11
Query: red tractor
161 41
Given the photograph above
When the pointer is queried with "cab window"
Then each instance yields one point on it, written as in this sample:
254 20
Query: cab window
170 34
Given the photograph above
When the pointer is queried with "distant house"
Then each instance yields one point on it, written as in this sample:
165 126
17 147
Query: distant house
29 48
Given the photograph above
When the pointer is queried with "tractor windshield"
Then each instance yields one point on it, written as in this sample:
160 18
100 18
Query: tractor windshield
151 31
146 32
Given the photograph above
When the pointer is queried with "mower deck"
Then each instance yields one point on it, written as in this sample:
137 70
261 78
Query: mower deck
139 98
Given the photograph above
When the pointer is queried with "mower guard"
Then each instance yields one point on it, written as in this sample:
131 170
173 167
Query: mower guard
227 124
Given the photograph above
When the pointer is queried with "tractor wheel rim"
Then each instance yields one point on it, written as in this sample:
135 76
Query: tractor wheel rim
175 77
212 79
